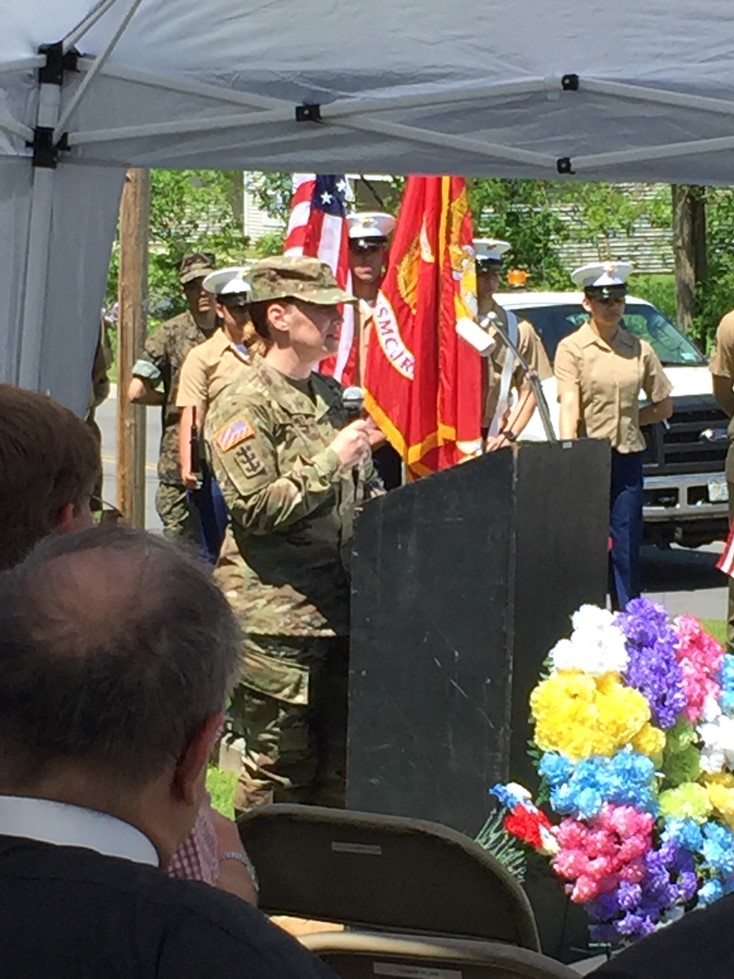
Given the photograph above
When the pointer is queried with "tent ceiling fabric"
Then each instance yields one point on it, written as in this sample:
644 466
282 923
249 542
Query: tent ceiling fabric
414 86
573 89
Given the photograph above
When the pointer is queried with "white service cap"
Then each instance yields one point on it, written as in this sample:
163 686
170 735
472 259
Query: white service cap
370 226
489 251
228 282
606 277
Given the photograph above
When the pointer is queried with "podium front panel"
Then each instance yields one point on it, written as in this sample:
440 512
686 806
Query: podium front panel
462 582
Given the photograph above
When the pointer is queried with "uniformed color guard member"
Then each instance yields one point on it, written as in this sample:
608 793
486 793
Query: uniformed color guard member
369 234
601 369
293 469
209 367
155 382
505 415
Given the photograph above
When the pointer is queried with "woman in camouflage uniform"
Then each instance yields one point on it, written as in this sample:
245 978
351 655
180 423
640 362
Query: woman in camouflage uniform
293 469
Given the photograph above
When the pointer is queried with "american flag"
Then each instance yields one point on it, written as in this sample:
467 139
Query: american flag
726 561
317 228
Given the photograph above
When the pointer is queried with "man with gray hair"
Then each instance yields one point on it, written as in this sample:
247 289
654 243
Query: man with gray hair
108 711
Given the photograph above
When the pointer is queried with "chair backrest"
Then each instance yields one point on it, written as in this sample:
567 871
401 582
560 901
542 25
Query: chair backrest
383 872
364 956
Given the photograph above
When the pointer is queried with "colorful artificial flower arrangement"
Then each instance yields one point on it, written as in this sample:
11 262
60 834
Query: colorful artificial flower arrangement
634 724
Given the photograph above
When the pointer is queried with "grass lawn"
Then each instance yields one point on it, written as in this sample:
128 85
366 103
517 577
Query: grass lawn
715 628
221 788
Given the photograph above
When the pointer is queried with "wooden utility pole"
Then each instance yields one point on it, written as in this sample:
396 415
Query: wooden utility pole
689 249
132 329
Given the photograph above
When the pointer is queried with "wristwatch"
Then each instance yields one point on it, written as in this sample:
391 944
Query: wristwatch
509 435
244 859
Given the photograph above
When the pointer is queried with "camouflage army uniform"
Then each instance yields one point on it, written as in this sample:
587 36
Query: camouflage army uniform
163 355
284 568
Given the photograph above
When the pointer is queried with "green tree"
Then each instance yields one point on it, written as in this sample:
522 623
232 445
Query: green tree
190 210
715 296
272 193
524 212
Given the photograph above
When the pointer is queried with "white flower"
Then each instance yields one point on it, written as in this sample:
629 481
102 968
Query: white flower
591 617
519 791
596 645
717 734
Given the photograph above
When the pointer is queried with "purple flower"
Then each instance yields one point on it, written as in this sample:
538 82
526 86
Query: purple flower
653 668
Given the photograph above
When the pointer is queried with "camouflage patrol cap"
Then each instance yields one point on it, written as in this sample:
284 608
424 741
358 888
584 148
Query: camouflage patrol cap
195 266
299 278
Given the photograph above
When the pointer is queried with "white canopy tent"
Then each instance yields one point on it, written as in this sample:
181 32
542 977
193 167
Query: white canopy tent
637 90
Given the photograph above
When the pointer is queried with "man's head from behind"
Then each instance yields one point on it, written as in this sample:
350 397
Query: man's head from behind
117 653
49 463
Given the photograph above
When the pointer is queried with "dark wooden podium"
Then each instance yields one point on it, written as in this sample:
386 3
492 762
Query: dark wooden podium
462 583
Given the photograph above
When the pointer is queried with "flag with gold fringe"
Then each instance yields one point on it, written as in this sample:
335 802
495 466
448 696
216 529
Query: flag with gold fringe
423 384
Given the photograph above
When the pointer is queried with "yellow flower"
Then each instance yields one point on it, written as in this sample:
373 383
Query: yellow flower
687 801
720 788
582 715
650 741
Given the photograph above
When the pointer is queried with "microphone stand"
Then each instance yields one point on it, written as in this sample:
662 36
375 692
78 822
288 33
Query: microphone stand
492 319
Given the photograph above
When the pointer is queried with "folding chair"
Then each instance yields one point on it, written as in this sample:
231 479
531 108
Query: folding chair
364 956
389 873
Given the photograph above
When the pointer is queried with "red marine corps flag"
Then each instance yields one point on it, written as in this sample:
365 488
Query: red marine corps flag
317 228
423 382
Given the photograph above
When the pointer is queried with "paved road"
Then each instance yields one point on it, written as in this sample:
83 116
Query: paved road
685 581
107 421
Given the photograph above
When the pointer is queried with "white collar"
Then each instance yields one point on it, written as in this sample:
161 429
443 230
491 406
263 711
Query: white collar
65 825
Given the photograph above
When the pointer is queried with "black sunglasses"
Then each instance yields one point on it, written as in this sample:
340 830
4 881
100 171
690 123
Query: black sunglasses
235 300
487 265
366 246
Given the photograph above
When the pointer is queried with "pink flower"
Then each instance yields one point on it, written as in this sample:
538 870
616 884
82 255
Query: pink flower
635 846
625 820
585 889
602 867
570 864
700 658
633 872
571 834
599 842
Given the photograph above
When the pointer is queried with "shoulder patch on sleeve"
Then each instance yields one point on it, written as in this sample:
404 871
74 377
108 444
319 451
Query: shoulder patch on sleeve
233 433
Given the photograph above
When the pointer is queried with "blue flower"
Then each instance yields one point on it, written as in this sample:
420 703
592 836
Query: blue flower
555 768
726 678
685 833
711 891
718 848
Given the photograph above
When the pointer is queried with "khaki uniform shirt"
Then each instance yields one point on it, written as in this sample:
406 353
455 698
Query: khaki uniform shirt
722 365
208 368
163 356
722 356
284 564
364 319
609 378
530 347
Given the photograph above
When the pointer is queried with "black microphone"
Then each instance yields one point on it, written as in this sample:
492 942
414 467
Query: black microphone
353 402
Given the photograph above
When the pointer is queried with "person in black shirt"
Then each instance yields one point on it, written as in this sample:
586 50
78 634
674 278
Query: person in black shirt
117 654
700 944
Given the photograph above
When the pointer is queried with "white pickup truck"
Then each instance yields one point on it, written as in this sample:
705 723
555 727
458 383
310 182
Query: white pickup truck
685 490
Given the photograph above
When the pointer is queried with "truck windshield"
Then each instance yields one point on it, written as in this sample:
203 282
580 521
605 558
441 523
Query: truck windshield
553 323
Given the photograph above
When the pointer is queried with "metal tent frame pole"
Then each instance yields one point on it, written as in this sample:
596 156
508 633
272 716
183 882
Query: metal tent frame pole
39 243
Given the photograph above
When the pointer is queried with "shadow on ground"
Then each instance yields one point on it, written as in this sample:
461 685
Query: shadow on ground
680 569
